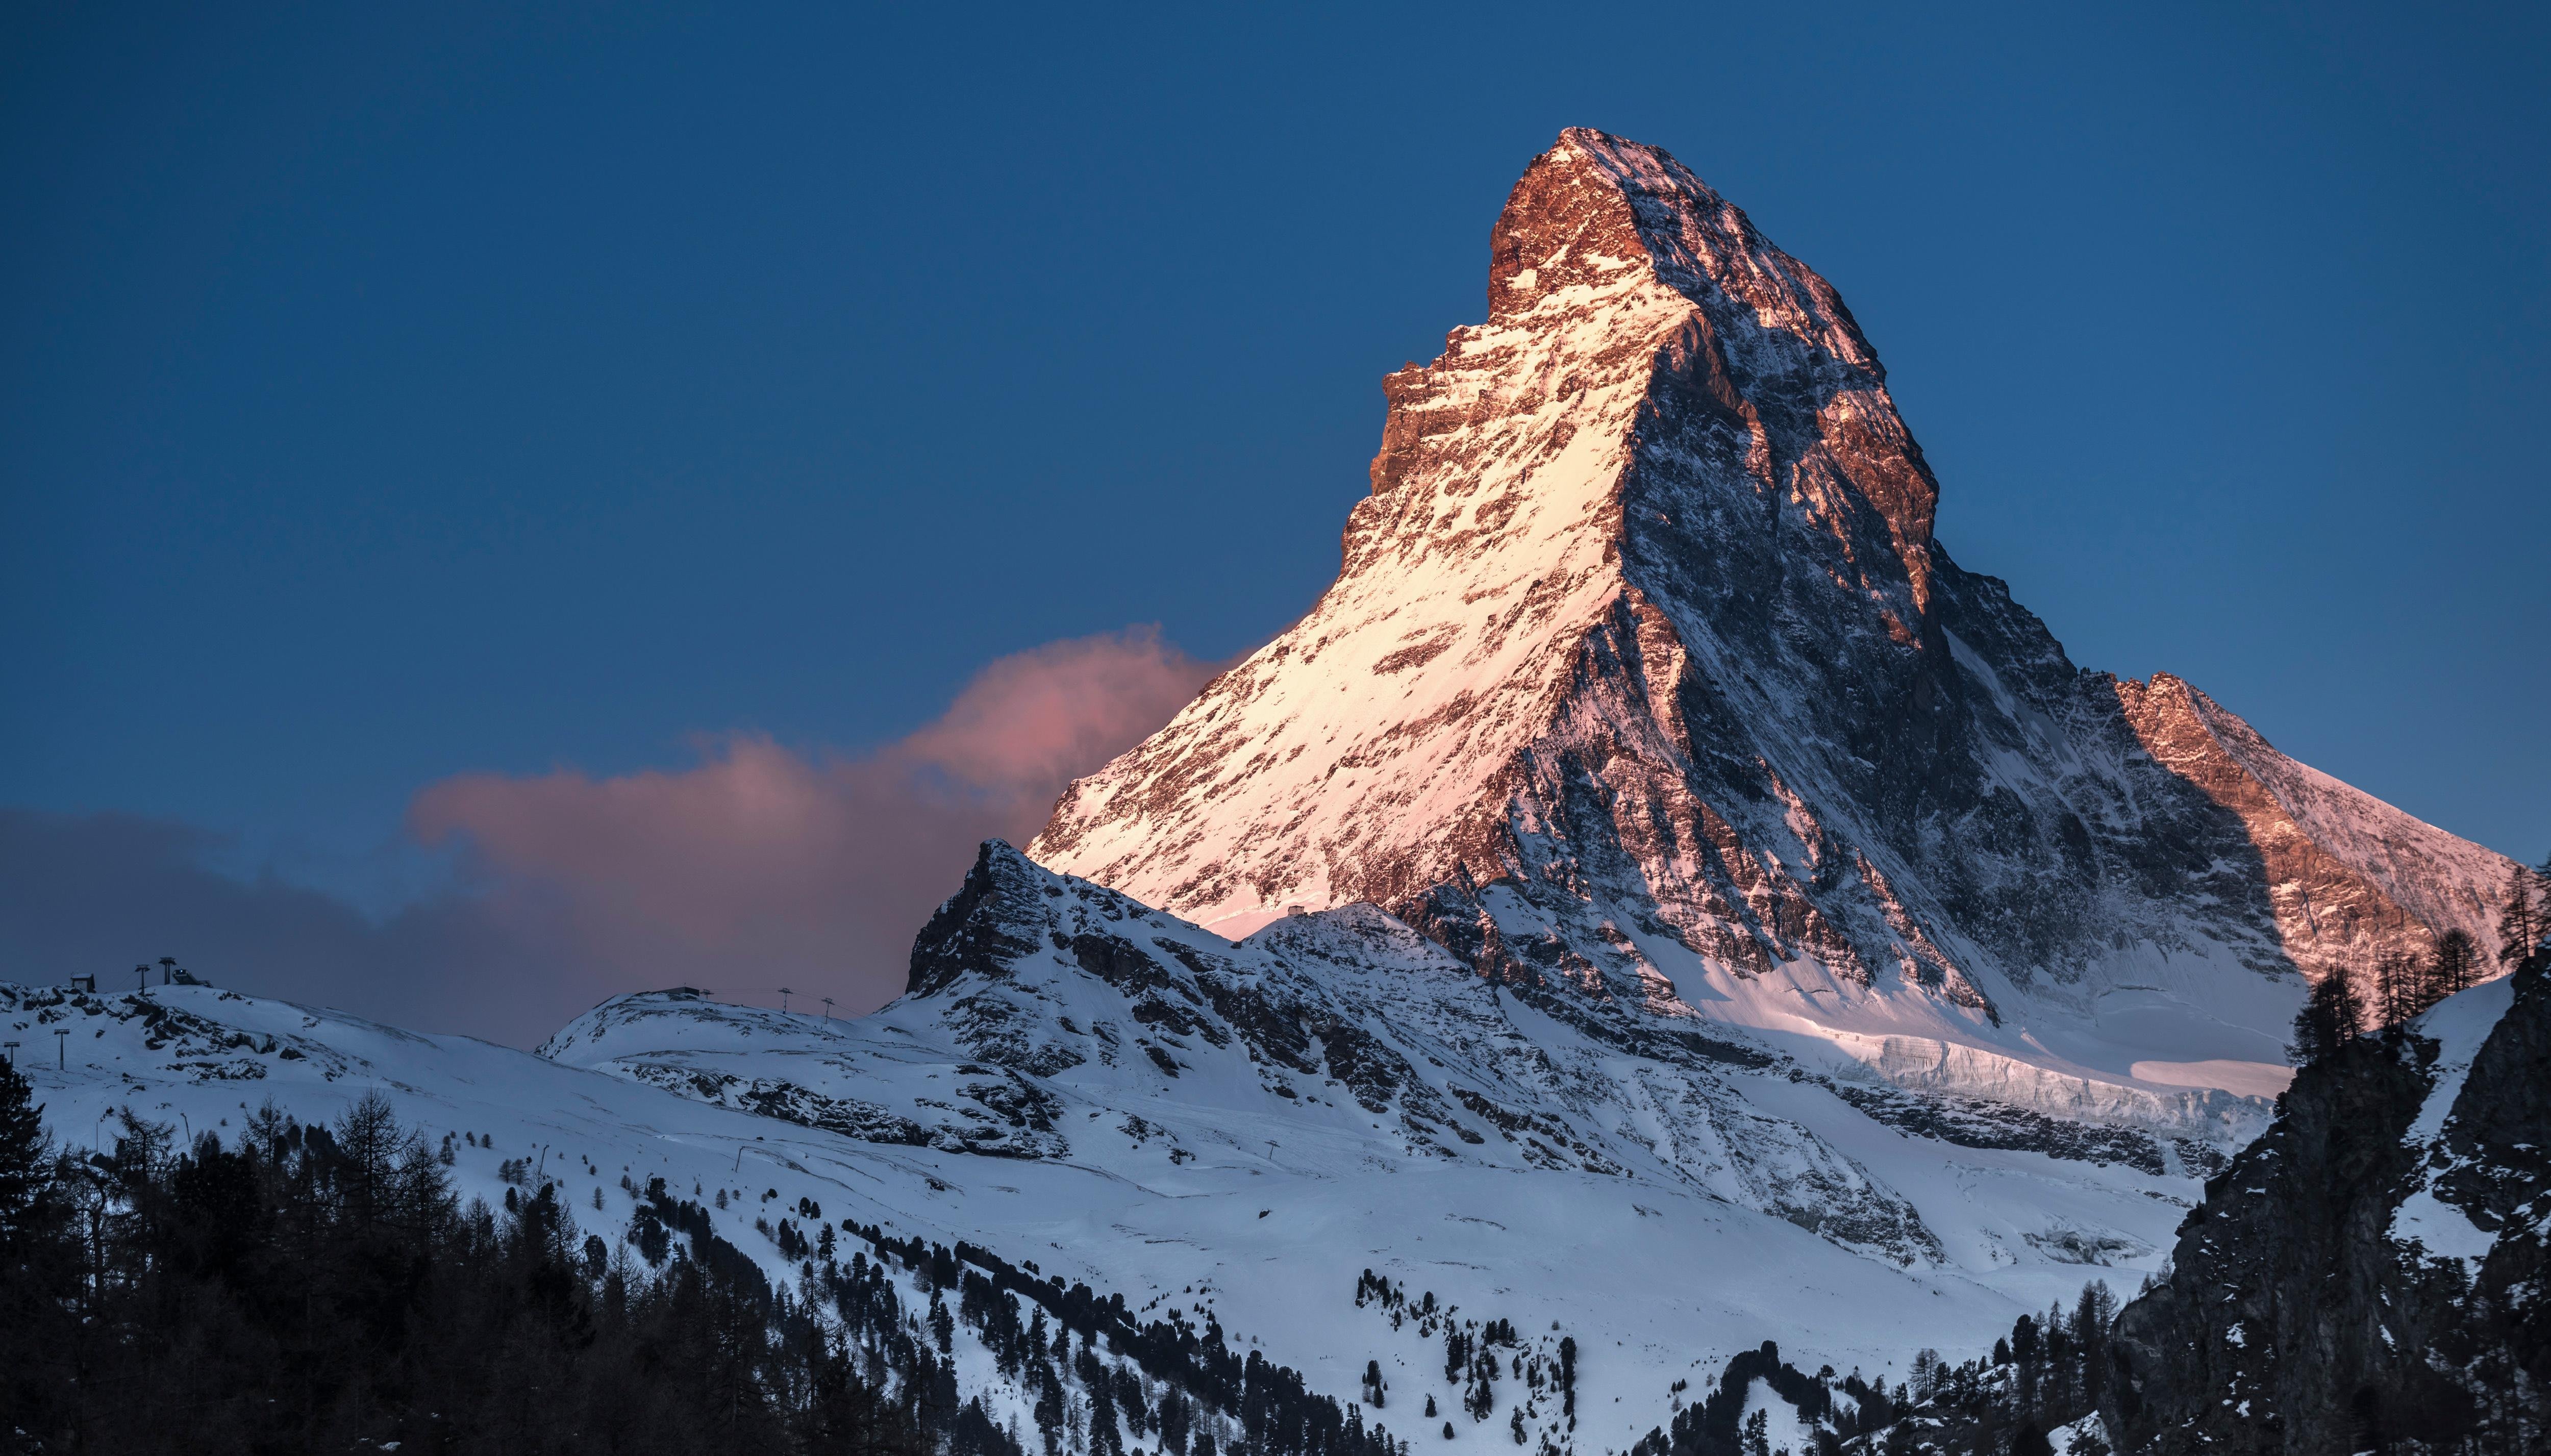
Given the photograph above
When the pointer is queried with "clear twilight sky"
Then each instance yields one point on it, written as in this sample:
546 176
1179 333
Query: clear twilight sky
500 510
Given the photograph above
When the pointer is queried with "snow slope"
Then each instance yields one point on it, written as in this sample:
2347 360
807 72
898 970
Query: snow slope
2460 1025
1337 1094
1129 1100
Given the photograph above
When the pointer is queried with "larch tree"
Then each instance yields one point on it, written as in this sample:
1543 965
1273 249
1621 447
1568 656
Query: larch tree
2457 964
2521 922
2331 1015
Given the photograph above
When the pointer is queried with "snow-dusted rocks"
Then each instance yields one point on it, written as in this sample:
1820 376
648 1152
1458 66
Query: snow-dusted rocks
1644 683
1338 1060
1041 1005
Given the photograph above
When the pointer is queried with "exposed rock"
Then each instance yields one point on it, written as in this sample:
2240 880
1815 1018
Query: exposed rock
2369 1274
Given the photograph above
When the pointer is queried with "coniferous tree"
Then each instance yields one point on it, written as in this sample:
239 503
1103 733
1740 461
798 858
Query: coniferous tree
2054 1359
1048 1412
2330 1017
2092 1315
26 1159
41 1334
1104 1439
2523 921
2400 988
2457 964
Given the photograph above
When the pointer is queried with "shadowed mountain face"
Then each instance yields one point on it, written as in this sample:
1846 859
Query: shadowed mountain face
1645 679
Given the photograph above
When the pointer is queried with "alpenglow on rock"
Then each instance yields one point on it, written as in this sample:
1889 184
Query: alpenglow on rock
1644 679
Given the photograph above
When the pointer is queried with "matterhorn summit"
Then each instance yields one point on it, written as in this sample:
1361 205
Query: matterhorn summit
1645 683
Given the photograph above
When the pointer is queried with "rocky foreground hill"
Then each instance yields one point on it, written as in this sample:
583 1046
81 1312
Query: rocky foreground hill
2370 1274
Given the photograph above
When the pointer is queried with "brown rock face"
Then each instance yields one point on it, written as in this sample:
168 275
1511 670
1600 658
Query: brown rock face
1644 672
2364 886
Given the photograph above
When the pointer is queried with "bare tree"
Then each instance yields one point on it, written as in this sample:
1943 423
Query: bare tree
2457 964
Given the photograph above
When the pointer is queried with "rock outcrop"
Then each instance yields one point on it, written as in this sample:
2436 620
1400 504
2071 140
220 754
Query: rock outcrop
2369 1274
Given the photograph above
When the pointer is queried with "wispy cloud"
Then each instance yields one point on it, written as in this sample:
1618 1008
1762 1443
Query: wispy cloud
753 867
776 868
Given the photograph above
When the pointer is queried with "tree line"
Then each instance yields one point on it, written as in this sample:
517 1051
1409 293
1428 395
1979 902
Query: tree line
2347 1003
320 1288
1268 1407
1477 1356
2044 1375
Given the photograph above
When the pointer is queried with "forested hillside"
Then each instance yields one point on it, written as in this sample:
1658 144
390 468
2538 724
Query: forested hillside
315 1288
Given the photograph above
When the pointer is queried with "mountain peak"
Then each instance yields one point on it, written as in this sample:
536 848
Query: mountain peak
1644 680
1628 298
1595 204
1570 220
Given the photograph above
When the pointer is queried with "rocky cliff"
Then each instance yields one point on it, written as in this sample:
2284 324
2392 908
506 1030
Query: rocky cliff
2369 1274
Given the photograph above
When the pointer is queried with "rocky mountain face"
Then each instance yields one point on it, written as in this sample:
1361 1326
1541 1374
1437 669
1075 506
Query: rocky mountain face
1646 682
2369 1274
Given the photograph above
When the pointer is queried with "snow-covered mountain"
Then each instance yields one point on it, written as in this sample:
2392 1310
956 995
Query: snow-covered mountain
1656 898
1646 682
1043 1005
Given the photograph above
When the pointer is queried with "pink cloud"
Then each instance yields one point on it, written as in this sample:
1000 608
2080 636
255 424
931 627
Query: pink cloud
1031 722
762 866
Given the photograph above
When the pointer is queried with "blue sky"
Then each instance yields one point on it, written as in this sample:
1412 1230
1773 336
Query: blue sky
399 393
